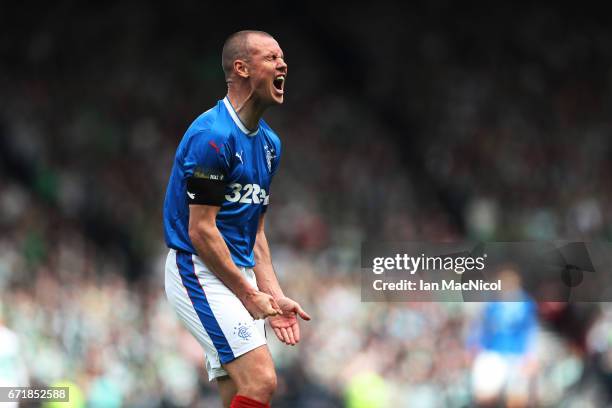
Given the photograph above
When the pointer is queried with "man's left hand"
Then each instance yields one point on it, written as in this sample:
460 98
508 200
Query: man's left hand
286 324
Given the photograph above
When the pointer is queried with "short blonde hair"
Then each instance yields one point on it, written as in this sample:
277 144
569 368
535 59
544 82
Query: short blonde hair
236 47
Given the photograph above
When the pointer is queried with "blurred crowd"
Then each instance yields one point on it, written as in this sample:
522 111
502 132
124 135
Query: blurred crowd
454 127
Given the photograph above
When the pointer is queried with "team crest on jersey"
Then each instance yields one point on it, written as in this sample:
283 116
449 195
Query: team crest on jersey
243 331
269 156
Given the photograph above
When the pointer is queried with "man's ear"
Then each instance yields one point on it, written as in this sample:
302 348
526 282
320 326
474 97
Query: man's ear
241 68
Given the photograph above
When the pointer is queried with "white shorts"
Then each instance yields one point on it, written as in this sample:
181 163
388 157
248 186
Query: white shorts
494 373
211 311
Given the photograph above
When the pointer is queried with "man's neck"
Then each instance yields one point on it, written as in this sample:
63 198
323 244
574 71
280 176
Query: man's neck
248 109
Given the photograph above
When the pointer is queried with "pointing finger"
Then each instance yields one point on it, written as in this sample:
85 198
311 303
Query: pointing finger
275 306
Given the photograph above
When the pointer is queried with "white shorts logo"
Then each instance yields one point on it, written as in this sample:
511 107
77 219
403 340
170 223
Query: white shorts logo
243 331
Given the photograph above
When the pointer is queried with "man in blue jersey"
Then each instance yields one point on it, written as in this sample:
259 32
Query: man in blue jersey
504 344
219 274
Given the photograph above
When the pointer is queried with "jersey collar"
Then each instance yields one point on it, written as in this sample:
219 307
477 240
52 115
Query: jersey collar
237 120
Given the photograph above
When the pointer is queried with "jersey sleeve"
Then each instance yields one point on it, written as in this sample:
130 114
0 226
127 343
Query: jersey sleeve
207 169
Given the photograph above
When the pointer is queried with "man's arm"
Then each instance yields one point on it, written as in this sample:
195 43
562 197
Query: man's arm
264 271
213 250
285 325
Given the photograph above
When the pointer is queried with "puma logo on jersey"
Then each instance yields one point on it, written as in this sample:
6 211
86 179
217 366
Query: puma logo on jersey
191 195
247 194
239 156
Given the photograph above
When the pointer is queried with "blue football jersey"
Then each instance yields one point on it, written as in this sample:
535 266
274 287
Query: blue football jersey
218 146
508 327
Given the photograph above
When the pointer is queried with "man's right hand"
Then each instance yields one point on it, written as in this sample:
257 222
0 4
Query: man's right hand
260 305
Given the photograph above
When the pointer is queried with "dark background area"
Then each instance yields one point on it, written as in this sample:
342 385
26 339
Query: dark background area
432 122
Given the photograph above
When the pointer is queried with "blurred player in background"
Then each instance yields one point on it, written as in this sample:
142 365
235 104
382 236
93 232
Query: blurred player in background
505 341
13 372
219 274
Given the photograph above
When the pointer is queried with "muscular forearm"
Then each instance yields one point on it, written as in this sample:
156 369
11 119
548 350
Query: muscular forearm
214 252
264 271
